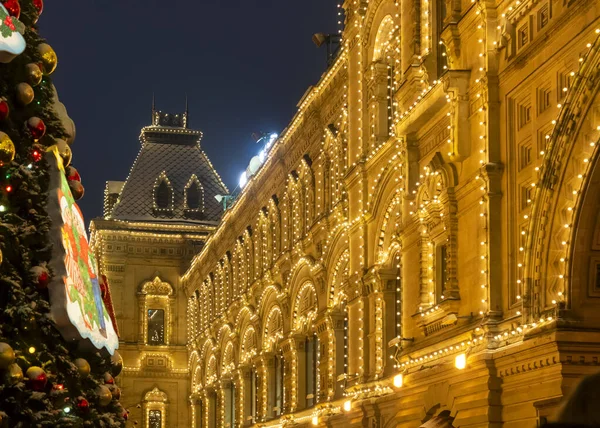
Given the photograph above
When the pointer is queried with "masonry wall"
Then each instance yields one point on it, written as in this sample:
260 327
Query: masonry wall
422 206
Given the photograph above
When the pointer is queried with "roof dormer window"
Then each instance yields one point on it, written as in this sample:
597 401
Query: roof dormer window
163 194
194 196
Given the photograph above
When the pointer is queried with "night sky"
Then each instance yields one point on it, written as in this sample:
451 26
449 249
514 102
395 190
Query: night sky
244 65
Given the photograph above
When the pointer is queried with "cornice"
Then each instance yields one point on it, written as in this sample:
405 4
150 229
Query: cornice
155 374
100 224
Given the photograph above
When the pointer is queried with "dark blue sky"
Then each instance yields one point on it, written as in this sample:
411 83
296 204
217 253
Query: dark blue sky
244 65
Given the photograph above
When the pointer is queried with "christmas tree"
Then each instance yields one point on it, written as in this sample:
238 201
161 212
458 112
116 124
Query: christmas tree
57 340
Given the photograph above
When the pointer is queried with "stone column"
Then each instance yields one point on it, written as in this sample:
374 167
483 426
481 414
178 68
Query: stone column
294 353
358 326
392 312
259 389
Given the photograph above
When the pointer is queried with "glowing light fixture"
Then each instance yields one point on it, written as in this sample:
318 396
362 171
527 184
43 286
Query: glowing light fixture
460 362
315 420
243 180
398 381
347 405
31 350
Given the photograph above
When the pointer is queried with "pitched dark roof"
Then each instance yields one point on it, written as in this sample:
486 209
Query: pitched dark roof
174 151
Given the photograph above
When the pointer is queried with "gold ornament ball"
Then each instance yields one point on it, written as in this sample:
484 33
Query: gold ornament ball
34 74
13 374
104 395
83 367
7 149
64 151
7 355
1 257
25 93
49 58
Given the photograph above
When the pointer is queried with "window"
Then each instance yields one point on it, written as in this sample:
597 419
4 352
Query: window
163 195
523 35
154 409
543 17
156 326
193 196
524 114
155 419
230 406
278 386
524 155
543 99
254 394
440 271
526 194
312 372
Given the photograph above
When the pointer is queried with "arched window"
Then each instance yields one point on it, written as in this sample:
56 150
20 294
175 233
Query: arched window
194 195
156 299
163 193
386 77
155 408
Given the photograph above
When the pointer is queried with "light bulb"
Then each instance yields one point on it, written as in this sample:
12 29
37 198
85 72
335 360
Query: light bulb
398 380
460 362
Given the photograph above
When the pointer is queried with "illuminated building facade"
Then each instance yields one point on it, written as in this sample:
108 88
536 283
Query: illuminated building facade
421 245
153 224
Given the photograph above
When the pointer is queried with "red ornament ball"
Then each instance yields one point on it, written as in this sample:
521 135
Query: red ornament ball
13 8
39 5
43 280
4 109
76 189
41 276
36 127
72 174
37 378
83 404
125 415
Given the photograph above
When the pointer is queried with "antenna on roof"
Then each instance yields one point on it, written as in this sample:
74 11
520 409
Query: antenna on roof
185 115
153 108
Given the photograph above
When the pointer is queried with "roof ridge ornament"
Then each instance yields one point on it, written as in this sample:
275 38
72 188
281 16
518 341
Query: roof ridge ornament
160 118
